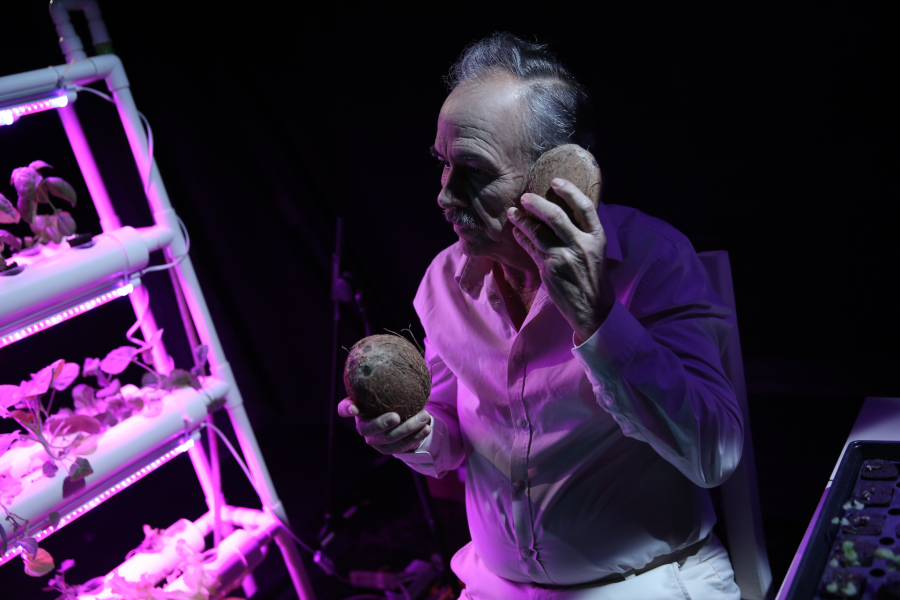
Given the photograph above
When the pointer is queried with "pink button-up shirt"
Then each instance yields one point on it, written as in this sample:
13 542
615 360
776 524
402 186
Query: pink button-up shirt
590 460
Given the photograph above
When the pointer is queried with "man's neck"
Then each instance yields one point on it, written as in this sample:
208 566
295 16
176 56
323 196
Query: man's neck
519 288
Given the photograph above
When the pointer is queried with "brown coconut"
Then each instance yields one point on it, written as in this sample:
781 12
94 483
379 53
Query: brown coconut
572 163
386 373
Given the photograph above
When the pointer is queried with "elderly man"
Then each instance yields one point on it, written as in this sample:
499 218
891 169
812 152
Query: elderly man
576 364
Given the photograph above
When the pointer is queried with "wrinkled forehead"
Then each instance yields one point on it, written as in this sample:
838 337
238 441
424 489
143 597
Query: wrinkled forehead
485 112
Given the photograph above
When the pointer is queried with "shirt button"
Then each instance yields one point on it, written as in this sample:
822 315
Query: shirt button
519 485
527 553
517 358
521 422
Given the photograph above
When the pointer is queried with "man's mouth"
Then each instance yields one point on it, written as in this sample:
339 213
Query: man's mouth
462 219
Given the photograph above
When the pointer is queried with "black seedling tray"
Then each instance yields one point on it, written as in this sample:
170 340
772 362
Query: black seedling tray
815 561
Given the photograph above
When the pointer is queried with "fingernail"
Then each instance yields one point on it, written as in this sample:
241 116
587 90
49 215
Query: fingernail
392 421
558 182
424 417
354 411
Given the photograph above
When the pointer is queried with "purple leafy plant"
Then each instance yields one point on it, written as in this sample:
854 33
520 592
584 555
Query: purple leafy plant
32 190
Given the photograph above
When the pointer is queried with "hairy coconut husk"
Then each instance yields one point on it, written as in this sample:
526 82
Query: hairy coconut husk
572 163
386 373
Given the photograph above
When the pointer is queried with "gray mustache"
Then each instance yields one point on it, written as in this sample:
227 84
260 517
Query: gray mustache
458 216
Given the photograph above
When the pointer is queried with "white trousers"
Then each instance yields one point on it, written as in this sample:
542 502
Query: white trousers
705 576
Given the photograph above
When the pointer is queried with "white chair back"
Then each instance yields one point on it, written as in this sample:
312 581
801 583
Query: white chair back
740 493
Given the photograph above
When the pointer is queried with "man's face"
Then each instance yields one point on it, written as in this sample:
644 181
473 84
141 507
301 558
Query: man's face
479 141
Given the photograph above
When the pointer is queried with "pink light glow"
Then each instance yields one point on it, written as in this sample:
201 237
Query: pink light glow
65 315
11 114
100 498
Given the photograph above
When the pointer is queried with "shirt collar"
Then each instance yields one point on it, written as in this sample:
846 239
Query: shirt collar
470 274
471 271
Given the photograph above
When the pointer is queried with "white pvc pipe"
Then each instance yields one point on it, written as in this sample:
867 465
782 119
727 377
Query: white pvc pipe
294 564
84 72
219 367
216 473
153 566
68 40
236 556
71 274
109 221
204 475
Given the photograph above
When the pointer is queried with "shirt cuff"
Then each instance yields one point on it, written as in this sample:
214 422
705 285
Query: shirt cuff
425 446
421 459
605 354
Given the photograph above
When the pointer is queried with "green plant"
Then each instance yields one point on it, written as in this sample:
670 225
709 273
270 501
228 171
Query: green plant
32 190
888 555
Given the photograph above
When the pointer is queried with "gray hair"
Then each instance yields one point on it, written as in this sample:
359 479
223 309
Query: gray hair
557 105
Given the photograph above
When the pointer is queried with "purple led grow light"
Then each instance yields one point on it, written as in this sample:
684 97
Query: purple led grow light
65 315
58 99
111 491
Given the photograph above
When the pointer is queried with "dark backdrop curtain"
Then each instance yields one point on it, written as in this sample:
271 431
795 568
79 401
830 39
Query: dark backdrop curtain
770 132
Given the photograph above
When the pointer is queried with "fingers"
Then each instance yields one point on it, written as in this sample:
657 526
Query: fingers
346 408
532 234
372 427
408 443
548 213
527 244
387 435
583 208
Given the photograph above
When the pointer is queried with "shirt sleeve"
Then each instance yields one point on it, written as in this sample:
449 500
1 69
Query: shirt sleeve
442 451
656 368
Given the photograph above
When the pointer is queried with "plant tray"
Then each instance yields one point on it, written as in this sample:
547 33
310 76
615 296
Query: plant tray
823 560
123 451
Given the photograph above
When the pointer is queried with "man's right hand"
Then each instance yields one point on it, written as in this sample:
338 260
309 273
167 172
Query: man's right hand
386 433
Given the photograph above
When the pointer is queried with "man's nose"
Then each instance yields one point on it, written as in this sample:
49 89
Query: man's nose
453 191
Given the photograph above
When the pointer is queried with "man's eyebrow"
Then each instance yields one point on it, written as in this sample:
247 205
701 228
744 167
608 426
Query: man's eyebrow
466 156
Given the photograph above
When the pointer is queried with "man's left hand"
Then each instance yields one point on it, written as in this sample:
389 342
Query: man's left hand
571 257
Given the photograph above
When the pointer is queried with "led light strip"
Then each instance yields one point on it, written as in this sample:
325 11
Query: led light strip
8 116
100 498
65 315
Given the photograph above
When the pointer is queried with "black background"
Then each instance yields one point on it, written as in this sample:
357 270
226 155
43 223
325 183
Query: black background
770 132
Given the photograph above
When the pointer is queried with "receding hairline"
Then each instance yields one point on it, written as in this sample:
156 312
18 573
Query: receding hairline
514 101
555 106
500 75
